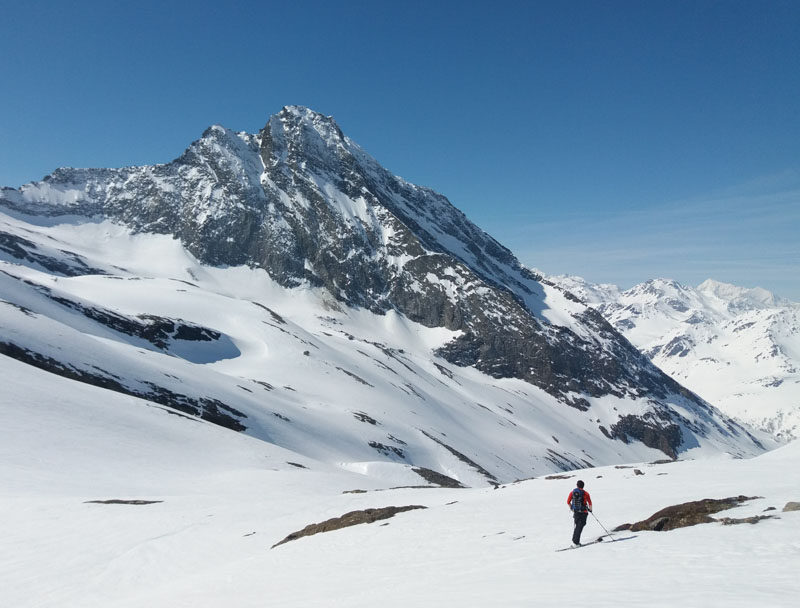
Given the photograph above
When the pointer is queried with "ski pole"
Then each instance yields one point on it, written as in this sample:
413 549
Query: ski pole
601 525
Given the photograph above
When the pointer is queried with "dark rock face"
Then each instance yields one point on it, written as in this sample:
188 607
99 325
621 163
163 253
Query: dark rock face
306 204
666 436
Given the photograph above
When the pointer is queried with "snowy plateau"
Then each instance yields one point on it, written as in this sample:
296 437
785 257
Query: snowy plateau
737 348
200 359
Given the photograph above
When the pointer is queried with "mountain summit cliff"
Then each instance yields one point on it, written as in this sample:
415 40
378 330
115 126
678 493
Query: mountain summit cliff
306 204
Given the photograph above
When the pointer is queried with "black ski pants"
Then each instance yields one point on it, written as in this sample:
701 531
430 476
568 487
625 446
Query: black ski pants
580 522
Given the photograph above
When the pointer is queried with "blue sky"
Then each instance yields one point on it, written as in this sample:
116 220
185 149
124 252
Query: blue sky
618 141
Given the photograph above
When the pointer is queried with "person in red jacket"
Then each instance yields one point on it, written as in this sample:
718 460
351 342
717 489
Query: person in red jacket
580 503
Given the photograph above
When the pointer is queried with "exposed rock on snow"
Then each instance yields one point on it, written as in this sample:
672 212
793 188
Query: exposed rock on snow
353 518
120 501
436 478
690 514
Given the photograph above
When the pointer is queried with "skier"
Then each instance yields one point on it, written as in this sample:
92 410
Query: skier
580 503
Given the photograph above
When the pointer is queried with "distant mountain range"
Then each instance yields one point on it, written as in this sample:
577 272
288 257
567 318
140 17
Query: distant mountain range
737 348
286 285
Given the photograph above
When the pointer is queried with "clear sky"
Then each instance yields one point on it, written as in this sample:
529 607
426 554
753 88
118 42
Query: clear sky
615 140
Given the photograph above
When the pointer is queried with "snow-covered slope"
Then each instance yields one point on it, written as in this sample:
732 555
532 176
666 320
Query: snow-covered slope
737 348
293 367
219 500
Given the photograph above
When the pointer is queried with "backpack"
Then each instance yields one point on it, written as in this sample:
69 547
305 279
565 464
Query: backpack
577 500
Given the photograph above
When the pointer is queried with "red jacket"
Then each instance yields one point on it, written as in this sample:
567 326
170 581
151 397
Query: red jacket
587 501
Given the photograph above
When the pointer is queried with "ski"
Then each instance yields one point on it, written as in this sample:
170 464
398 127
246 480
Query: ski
614 539
591 542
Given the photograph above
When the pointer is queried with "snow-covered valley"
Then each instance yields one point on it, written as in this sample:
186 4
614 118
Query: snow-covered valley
225 498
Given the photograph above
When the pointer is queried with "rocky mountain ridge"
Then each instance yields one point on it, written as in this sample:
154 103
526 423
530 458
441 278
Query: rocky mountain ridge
303 202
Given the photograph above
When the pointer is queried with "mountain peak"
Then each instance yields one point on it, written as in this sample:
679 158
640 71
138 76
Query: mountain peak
303 121
741 297
304 113
300 136
308 206
659 288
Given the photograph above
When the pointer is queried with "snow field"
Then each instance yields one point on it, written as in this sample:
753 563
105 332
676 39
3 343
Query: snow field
227 498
